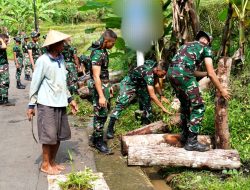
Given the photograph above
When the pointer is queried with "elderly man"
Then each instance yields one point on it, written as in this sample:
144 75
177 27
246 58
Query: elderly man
49 91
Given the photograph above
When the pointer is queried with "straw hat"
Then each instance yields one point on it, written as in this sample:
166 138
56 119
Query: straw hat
53 37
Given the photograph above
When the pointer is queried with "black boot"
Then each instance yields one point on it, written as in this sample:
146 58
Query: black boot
192 143
110 131
19 85
29 78
6 102
100 145
25 77
145 120
184 135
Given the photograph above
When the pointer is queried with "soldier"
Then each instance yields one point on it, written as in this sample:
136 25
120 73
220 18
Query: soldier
18 59
44 49
139 82
85 63
4 71
26 60
100 87
34 48
181 74
72 65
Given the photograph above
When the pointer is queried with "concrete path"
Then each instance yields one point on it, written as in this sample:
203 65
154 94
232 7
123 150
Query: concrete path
21 156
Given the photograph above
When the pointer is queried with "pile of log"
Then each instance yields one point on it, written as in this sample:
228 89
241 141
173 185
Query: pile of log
149 146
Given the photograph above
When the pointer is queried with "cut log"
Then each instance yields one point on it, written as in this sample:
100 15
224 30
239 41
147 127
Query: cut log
204 83
222 135
155 127
156 139
172 156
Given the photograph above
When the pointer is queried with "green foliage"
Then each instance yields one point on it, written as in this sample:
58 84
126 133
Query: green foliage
85 107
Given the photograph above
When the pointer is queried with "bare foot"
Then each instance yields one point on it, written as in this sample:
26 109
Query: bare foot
60 167
50 170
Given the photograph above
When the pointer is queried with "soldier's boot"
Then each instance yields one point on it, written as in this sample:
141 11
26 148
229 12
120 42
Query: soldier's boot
184 135
29 78
19 85
1 100
192 143
145 120
7 103
25 77
101 145
111 131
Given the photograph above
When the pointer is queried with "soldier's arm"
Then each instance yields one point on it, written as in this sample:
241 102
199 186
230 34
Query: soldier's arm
2 44
31 58
200 74
16 60
214 78
77 62
98 85
153 96
159 91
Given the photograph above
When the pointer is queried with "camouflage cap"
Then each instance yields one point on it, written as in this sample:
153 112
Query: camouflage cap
150 63
17 39
25 36
34 34
204 34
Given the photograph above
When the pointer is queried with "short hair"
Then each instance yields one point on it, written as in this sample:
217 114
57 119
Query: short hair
109 34
4 36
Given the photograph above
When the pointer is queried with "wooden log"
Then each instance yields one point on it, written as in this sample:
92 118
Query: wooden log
222 135
204 83
148 129
156 139
173 156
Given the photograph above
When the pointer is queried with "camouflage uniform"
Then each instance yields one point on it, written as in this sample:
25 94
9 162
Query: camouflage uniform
72 77
19 56
136 84
182 79
4 75
26 60
36 50
100 58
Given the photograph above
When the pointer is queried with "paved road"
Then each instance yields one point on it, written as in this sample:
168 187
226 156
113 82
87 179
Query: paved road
21 156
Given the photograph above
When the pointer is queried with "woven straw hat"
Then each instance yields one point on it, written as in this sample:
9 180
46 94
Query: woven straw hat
53 37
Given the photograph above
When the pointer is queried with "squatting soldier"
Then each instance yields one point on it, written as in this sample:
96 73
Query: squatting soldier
181 74
100 87
18 59
139 82
4 70
26 60
34 48
72 65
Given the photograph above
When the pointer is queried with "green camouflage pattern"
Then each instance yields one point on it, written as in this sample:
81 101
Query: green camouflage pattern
17 49
19 56
72 76
26 61
4 75
100 58
182 79
100 113
36 50
135 85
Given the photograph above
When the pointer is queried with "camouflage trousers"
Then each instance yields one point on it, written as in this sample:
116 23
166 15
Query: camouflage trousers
127 94
4 81
27 65
192 105
72 77
100 113
19 70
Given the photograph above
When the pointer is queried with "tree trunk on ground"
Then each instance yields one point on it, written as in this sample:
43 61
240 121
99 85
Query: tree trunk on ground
222 136
204 83
172 156
155 127
156 139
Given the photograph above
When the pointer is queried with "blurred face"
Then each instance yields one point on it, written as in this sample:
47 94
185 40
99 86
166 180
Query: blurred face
109 43
204 40
35 39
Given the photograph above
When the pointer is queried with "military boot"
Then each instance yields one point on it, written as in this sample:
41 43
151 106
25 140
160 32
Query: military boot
25 77
192 143
100 145
145 120
184 135
111 131
19 85
6 102
29 78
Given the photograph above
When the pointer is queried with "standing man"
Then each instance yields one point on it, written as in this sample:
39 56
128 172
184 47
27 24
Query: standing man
34 49
139 82
72 65
49 91
26 60
100 87
4 71
18 59
182 73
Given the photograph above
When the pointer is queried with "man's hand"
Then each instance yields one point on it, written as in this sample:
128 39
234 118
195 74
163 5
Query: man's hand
17 66
163 99
30 113
102 102
166 111
111 90
74 107
226 94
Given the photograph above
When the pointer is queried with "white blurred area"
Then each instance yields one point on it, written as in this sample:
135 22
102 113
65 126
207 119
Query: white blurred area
142 22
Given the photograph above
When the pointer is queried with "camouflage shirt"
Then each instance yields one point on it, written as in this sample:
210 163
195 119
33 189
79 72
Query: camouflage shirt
68 53
190 56
3 57
17 49
35 47
25 47
141 76
99 57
